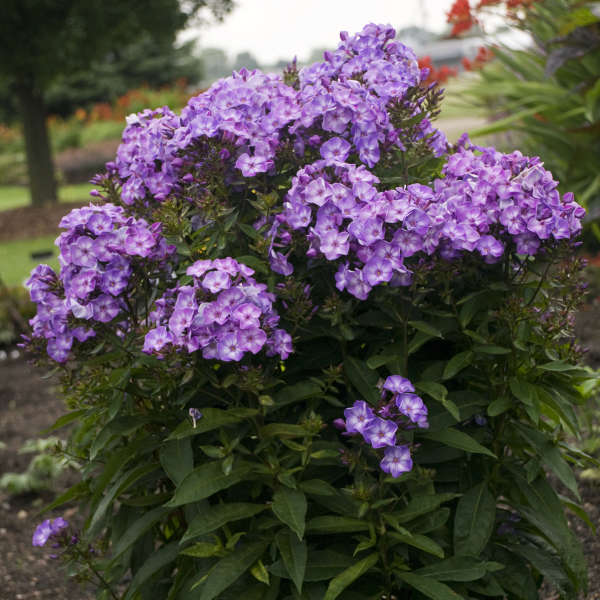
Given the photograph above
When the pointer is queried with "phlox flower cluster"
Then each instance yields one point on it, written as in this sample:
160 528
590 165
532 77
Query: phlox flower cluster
224 312
404 410
48 529
96 257
486 202
338 106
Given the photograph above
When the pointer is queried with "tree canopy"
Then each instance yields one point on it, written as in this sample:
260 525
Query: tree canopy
44 40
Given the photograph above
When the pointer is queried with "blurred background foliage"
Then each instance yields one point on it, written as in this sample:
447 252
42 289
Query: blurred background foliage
546 98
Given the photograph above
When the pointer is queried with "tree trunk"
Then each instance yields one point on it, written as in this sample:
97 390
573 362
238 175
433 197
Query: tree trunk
42 184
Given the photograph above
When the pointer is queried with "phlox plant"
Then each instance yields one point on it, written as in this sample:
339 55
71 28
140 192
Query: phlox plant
313 351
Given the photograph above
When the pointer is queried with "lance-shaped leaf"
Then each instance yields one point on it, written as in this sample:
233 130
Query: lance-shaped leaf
219 515
339 583
294 553
474 521
231 568
289 507
208 479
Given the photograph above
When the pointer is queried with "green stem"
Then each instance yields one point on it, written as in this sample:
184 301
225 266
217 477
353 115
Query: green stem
93 569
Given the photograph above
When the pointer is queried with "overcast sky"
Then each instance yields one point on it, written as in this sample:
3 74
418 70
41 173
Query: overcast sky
280 29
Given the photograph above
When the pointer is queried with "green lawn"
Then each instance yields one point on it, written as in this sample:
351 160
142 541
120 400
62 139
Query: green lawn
15 258
15 196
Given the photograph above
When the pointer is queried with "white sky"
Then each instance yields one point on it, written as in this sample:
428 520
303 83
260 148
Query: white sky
281 29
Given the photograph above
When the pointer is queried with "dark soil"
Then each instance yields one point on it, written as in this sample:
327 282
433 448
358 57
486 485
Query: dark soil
33 221
28 404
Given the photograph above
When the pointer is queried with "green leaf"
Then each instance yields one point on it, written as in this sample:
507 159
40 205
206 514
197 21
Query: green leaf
491 349
499 405
230 568
218 515
74 492
339 583
65 420
122 484
458 439
283 430
457 363
212 418
544 562
136 530
208 479
558 366
177 459
289 507
363 379
439 392
158 559
523 390
429 587
426 328
294 554
421 505
333 524
419 541
203 550
317 487
297 393
456 568
474 521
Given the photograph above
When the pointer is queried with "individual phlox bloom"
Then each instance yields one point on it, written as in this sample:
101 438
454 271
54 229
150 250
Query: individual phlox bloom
335 149
195 415
252 339
380 433
413 407
396 460
48 529
156 339
247 315
398 385
358 417
215 281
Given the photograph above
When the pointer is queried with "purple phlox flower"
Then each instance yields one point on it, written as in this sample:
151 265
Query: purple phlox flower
247 315
215 281
48 529
106 308
280 343
336 149
195 415
413 407
279 263
200 267
82 252
139 241
252 165
358 417
398 385
334 244
396 460
377 270
229 348
380 433
156 339
252 339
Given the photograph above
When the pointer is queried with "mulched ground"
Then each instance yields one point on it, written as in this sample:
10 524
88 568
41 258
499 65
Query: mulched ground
30 222
28 404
